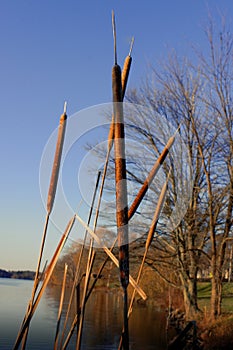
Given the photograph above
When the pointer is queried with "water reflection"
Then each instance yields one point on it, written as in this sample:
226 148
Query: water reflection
102 325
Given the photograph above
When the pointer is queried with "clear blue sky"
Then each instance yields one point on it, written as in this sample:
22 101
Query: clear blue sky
52 51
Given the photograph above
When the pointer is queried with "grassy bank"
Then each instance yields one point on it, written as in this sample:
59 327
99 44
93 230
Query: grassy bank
204 293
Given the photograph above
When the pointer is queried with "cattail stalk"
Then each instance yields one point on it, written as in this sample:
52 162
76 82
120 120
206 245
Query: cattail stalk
99 272
44 284
111 256
124 80
50 201
151 176
121 186
76 319
77 272
60 307
82 311
150 236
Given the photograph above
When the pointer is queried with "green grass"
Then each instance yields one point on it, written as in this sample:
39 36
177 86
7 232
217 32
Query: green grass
204 293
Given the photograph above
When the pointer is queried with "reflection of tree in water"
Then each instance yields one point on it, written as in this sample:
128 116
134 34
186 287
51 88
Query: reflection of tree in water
104 323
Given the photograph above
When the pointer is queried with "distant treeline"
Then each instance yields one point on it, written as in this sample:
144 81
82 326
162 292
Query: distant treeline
26 275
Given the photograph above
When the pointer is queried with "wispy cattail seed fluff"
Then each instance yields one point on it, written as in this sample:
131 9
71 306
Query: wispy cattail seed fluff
57 161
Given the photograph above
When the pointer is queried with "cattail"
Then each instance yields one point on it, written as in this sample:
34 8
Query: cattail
57 161
48 274
148 242
126 69
82 312
120 176
77 272
50 201
120 170
150 177
124 80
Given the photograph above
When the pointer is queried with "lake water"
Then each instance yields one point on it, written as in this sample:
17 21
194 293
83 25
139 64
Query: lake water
102 327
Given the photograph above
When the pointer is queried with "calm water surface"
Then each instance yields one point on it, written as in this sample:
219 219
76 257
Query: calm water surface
103 320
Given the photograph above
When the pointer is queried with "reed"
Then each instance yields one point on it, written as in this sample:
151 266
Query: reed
126 69
88 294
150 235
82 310
60 307
57 161
111 256
99 272
77 272
125 74
151 176
50 201
47 276
124 79
71 331
121 186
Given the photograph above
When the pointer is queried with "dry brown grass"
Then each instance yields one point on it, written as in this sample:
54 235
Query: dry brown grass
217 335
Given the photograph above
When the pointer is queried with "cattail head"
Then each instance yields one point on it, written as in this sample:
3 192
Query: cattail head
56 162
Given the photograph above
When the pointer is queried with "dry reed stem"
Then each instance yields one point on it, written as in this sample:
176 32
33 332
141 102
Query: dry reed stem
44 284
153 225
150 235
77 272
60 307
99 272
50 201
36 282
82 311
150 177
112 256
76 318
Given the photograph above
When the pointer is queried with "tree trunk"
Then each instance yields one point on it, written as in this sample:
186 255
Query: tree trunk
219 298
190 297
214 290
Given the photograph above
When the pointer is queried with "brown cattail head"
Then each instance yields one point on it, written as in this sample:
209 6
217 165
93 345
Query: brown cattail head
124 80
125 74
116 83
56 162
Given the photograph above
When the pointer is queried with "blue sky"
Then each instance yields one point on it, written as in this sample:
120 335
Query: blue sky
52 51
